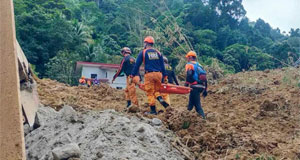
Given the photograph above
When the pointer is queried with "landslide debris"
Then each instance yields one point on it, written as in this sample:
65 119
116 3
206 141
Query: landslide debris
249 114
93 135
56 95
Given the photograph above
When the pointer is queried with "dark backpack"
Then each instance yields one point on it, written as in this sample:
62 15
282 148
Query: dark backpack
199 73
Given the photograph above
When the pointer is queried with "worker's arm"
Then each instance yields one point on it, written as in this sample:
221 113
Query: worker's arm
137 65
174 77
120 70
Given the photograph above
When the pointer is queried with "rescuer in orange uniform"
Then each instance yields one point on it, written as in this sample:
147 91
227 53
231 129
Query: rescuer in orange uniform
82 81
154 72
126 66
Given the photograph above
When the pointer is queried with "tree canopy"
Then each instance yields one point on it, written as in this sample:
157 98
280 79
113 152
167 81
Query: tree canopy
60 32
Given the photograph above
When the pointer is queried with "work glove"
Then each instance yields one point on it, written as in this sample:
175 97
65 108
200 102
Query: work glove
136 80
130 79
166 79
204 94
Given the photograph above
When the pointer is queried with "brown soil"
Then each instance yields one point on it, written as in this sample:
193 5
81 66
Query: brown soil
249 114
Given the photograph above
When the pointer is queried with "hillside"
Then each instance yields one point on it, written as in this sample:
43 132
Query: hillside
54 34
250 114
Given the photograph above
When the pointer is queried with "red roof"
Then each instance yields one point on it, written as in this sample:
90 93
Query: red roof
101 65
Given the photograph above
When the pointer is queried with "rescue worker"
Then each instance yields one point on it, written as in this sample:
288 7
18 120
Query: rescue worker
193 80
126 66
171 79
96 82
170 73
89 82
82 81
154 72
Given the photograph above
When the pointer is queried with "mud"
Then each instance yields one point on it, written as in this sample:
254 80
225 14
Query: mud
100 135
56 95
249 115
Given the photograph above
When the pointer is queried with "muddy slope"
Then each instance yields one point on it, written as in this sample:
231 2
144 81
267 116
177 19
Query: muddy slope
249 114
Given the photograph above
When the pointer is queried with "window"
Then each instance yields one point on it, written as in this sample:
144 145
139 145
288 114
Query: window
94 76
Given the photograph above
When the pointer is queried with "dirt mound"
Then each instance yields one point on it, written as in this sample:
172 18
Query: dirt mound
56 95
99 135
249 114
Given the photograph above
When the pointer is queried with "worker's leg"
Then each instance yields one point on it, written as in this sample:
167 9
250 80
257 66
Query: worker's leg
127 97
197 102
157 86
191 100
150 88
132 90
166 97
157 83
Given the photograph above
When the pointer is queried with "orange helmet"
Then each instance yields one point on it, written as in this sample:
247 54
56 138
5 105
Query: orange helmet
191 54
126 50
149 39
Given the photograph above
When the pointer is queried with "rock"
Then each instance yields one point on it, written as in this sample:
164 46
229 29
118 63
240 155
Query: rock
71 150
65 139
269 106
43 116
133 109
105 134
27 129
99 155
69 113
141 129
156 122
211 117
276 82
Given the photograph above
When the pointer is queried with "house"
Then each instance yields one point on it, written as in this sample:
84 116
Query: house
103 72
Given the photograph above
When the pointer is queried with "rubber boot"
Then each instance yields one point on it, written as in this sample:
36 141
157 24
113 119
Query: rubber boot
152 110
162 101
128 103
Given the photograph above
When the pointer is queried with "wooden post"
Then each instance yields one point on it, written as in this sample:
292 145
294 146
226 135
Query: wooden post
11 127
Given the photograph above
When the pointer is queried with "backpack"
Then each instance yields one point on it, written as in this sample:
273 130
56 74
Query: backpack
199 73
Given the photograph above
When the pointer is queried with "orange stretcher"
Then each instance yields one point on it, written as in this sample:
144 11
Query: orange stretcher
170 88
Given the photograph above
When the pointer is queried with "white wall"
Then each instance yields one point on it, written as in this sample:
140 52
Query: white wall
101 73
88 70
119 81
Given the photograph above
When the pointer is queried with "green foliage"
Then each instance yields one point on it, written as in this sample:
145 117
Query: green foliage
237 156
96 30
186 124
265 158
61 67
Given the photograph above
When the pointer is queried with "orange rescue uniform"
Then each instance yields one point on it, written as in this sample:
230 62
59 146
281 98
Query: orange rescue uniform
152 86
130 91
